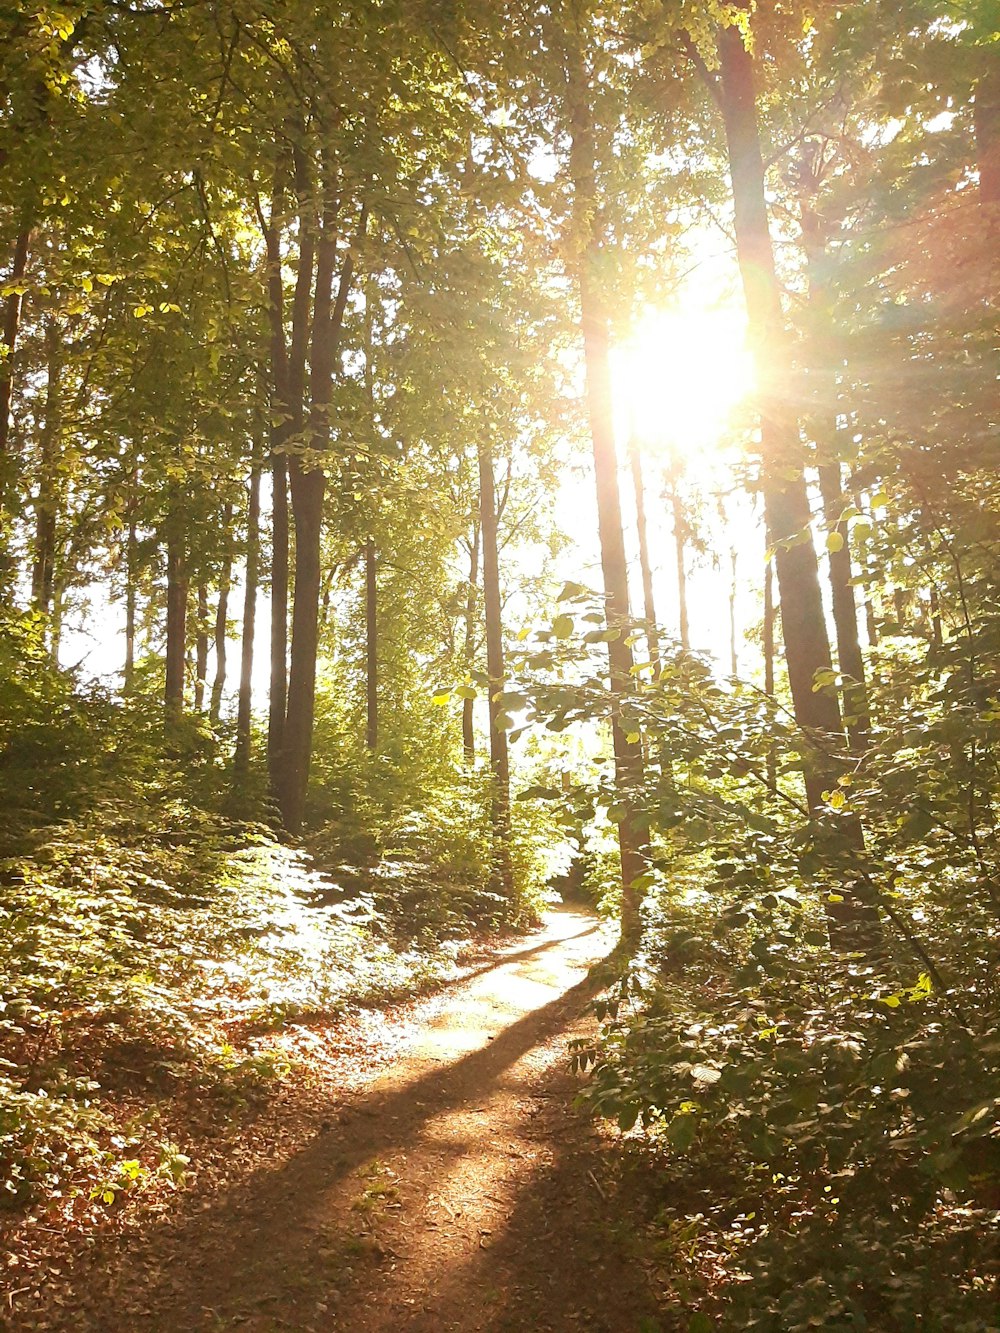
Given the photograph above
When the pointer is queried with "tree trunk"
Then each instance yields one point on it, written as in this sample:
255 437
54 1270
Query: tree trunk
845 611
287 375
308 488
241 758
278 693
177 597
12 306
371 645
468 717
222 623
786 498
499 756
823 361
596 352
131 579
768 645
645 569
734 661
46 505
680 563
201 649
934 606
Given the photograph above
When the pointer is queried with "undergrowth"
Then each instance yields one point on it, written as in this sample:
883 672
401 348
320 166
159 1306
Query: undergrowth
137 972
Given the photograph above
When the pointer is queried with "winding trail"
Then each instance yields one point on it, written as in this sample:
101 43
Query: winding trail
460 1190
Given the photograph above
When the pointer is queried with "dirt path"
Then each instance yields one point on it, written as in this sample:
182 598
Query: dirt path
460 1191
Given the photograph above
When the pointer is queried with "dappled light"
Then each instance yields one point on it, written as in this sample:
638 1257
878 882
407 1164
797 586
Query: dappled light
500 763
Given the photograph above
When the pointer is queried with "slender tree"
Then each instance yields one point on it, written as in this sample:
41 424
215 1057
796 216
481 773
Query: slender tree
786 499
371 645
499 757
596 334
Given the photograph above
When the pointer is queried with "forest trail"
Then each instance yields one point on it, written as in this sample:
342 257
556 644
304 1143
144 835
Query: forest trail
459 1191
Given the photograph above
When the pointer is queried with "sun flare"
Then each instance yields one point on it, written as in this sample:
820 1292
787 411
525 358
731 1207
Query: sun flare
682 375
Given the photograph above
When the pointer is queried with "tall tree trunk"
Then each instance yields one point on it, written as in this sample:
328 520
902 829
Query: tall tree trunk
645 569
177 598
934 606
768 644
131 580
222 623
201 649
680 563
308 488
56 621
839 565
596 353
221 663
46 505
278 692
499 757
241 758
468 730
845 611
287 381
371 645
734 661
786 498
12 306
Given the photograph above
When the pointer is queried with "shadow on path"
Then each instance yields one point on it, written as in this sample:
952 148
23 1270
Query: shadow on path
246 1252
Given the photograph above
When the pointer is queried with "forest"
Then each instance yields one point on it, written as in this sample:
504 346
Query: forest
500 546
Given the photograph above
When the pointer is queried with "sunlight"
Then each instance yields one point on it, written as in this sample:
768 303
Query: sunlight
682 375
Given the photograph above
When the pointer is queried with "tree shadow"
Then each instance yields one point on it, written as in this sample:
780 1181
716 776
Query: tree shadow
247 1249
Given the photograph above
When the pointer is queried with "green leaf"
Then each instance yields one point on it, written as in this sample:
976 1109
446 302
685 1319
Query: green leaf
562 627
627 1117
834 542
682 1130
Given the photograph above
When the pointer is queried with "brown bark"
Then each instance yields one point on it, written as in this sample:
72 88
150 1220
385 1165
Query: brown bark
278 692
468 717
934 606
839 565
786 499
241 758
680 564
845 612
12 307
222 625
308 487
596 350
371 645
177 597
286 414
645 569
768 645
46 504
131 578
499 755
201 649
287 395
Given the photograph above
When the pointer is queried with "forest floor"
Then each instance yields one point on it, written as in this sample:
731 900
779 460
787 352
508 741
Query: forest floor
428 1172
